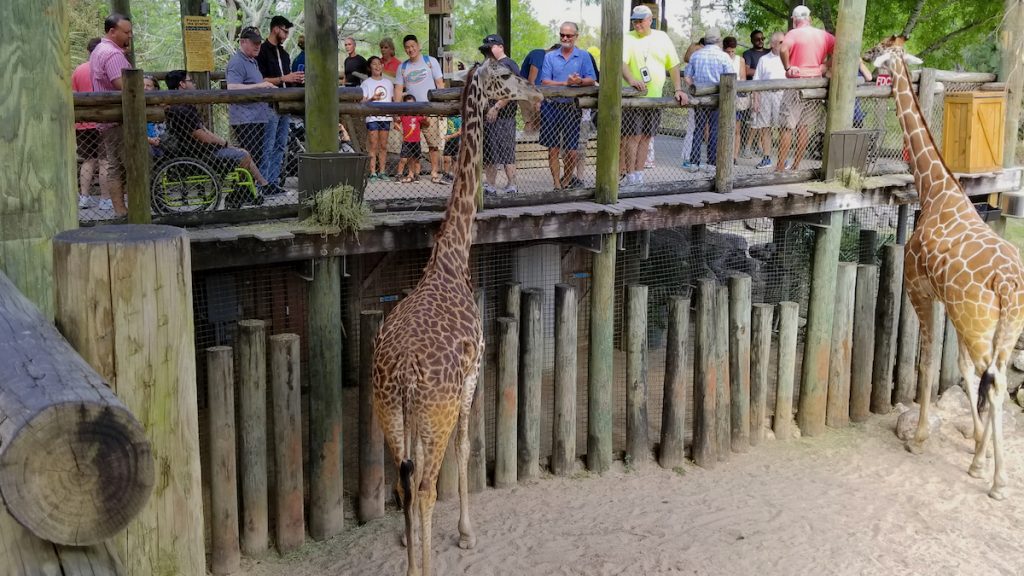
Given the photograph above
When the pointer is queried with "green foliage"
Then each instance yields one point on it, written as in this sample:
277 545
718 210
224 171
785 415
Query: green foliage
85 22
475 19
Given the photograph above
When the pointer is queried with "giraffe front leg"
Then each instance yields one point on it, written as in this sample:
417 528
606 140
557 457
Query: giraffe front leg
927 311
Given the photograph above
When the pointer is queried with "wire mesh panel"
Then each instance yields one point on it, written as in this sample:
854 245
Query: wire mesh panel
779 131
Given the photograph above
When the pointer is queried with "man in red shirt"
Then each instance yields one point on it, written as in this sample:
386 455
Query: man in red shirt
87 137
107 62
804 52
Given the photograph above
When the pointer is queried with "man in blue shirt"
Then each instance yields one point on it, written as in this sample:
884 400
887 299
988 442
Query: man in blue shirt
560 117
705 69
248 121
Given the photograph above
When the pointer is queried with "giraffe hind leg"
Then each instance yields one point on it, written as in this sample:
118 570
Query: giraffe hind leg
467 536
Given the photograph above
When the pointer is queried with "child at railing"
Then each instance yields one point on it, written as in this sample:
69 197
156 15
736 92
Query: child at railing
452 138
411 150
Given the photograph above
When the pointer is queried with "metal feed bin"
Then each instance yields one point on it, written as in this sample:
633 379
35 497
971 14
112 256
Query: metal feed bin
326 169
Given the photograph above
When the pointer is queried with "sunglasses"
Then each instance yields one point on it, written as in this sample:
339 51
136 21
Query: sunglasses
567 35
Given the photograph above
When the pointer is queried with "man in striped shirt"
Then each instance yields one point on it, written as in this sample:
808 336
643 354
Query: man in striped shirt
705 69
107 62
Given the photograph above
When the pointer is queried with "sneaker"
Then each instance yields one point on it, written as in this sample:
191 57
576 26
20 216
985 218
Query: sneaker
765 162
690 166
105 204
490 190
627 180
638 178
511 189
271 190
575 183
85 202
447 178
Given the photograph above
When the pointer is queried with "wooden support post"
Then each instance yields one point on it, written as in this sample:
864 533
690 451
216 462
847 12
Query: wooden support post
504 18
638 444
887 314
600 373
837 414
705 377
563 438
845 61
285 382
673 416
933 354
726 133
723 396
789 316
434 47
609 108
739 360
25 554
505 415
225 555
906 355
372 488
37 150
113 283
863 356
326 512
513 293
949 369
135 148
321 29
252 416
818 339
925 98
478 421
902 217
531 374
1011 50
760 360
868 246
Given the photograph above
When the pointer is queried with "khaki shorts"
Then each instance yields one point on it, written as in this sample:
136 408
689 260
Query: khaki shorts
798 112
769 111
111 144
434 134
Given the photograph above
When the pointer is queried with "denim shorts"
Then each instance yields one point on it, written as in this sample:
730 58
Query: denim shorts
378 126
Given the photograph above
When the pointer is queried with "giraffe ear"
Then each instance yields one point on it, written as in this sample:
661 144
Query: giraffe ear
882 59
912 60
460 75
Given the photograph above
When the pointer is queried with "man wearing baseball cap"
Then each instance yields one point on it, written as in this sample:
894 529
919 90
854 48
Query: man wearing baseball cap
248 122
648 57
499 125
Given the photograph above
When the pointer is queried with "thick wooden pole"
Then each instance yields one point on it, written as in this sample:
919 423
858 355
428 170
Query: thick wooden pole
1011 49
789 315
119 286
478 421
285 381
372 488
326 513
837 414
845 61
705 377
531 374
760 360
600 373
252 416
949 369
321 28
137 161
723 396
673 416
504 17
638 443
887 314
563 438
226 555
505 414
23 553
513 293
37 148
926 100
863 356
906 355
867 246
726 133
739 360
609 105
818 339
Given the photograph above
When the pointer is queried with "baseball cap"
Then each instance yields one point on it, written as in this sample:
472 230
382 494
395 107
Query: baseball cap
801 11
491 40
712 36
641 12
252 34
280 21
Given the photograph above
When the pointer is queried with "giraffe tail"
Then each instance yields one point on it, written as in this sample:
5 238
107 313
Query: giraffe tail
1005 291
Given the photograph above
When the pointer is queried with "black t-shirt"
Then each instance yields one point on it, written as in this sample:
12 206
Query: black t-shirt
751 57
274 62
509 111
355 64
182 121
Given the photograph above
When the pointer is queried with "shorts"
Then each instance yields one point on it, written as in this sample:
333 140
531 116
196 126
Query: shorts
378 126
500 142
111 143
640 121
411 150
88 143
769 111
434 134
798 112
560 125
451 147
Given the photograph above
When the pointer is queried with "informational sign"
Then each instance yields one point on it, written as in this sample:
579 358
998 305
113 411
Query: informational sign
447 31
437 6
198 43
447 62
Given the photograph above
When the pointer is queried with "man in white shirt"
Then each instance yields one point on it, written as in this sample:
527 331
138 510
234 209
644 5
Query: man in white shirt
768 105
417 76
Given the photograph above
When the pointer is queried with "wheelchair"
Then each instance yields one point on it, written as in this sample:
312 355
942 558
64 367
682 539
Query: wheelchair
184 183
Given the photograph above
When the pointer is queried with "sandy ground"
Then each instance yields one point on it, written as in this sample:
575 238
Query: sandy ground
850 502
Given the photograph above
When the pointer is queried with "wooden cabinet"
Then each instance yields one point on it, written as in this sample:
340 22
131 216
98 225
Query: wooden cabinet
972 131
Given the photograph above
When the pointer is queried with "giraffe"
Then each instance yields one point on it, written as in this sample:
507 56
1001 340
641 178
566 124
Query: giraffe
427 354
954 258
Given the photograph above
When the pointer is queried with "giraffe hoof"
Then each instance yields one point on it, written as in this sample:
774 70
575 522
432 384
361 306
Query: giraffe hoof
975 471
996 494
467 542
914 447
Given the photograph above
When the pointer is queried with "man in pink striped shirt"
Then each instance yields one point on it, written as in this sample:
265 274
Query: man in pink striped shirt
87 137
107 62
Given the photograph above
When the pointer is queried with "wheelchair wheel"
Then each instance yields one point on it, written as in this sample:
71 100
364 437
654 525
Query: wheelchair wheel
184 185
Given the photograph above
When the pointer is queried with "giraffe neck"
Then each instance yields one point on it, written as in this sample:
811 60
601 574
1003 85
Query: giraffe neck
935 184
450 256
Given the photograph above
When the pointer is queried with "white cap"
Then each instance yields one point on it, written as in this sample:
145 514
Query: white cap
712 36
801 11
641 12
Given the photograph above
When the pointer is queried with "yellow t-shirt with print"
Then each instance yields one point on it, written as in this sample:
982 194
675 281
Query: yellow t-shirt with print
656 52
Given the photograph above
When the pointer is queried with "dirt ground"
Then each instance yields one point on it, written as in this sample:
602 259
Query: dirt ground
851 502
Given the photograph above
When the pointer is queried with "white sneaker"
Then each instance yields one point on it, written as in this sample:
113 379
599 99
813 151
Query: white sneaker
105 204
85 202
511 189
638 178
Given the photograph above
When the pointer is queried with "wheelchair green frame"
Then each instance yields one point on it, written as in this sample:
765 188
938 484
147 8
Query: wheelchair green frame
198 187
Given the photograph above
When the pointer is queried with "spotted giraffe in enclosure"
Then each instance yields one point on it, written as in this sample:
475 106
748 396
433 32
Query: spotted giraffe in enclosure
953 257
427 355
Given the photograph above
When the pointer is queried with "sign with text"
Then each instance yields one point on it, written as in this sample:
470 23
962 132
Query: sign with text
198 43
447 31
437 6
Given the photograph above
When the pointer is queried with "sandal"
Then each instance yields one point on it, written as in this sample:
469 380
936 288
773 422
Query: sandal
435 179
407 180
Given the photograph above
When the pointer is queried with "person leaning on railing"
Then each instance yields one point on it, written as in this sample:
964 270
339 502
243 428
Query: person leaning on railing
248 121
560 117
107 62
185 127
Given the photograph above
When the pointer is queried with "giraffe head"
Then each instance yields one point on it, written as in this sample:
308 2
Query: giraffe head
887 50
500 83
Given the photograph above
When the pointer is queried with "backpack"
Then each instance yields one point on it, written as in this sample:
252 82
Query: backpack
426 60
